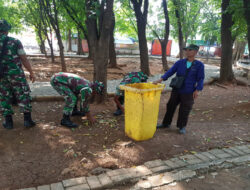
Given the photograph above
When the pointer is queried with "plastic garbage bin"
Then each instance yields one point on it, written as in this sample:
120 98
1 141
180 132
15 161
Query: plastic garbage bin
141 109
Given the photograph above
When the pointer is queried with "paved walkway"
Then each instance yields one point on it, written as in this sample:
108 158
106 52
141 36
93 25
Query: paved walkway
44 89
158 173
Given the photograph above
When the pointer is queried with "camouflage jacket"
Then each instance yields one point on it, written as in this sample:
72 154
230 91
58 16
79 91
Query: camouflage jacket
130 78
77 85
11 59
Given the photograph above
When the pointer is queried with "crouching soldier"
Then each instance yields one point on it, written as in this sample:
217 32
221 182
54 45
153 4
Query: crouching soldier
130 78
70 86
12 78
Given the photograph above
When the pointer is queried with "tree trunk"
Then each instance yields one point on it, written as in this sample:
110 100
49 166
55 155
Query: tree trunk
112 53
226 71
53 18
70 41
141 19
42 44
180 34
79 44
166 36
100 64
247 17
50 42
92 38
238 51
61 49
164 55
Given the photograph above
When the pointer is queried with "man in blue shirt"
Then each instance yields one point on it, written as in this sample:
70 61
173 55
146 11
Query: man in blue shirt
185 95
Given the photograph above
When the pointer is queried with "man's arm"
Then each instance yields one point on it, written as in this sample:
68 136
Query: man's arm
27 65
200 80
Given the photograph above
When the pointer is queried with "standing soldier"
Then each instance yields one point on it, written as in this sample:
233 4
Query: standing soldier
70 86
130 78
12 77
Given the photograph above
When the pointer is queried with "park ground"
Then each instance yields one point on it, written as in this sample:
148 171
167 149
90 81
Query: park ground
50 153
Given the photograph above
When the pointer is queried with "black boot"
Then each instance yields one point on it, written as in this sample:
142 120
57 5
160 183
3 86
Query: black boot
67 122
8 124
28 121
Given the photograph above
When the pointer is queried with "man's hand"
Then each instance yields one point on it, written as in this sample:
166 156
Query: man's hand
32 77
91 119
195 94
158 81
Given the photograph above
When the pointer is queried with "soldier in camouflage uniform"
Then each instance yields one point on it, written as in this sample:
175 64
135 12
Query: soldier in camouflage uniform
13 81
70 86
130 78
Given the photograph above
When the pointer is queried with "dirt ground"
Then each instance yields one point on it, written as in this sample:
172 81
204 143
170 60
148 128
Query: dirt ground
44 69
50 153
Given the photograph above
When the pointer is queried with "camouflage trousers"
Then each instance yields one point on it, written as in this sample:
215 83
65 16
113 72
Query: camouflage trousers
17 86
69 96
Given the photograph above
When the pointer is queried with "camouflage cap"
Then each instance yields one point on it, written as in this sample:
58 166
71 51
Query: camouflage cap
98 87
4 26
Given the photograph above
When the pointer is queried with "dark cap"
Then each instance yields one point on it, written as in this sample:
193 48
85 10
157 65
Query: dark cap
4 26
192 47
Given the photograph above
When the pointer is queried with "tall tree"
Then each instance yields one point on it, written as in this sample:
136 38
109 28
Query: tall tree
99 25
70 40
226 71
47 30
179 25
77 12
141 19
50 7
112 53
163 33
247 17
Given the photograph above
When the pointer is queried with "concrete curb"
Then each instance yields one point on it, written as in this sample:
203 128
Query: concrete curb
42 98
158 172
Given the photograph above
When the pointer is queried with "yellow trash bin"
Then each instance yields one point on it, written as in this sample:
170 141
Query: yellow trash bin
141 109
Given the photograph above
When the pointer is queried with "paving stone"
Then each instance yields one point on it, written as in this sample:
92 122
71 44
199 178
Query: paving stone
56 186
171 164
118 179
219 153
229 151
79 187
190 159
94 182
239 152
161 179
160 169
179 162
199 166
74 181
105 180
43 187
216 151
145 184
209 155
184 174
241 159
117 172
244 148
154 163
139 171
202 157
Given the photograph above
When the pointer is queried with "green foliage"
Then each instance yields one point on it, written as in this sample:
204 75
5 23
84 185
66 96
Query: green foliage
157 21
190 17
9 12
125 19
211 22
